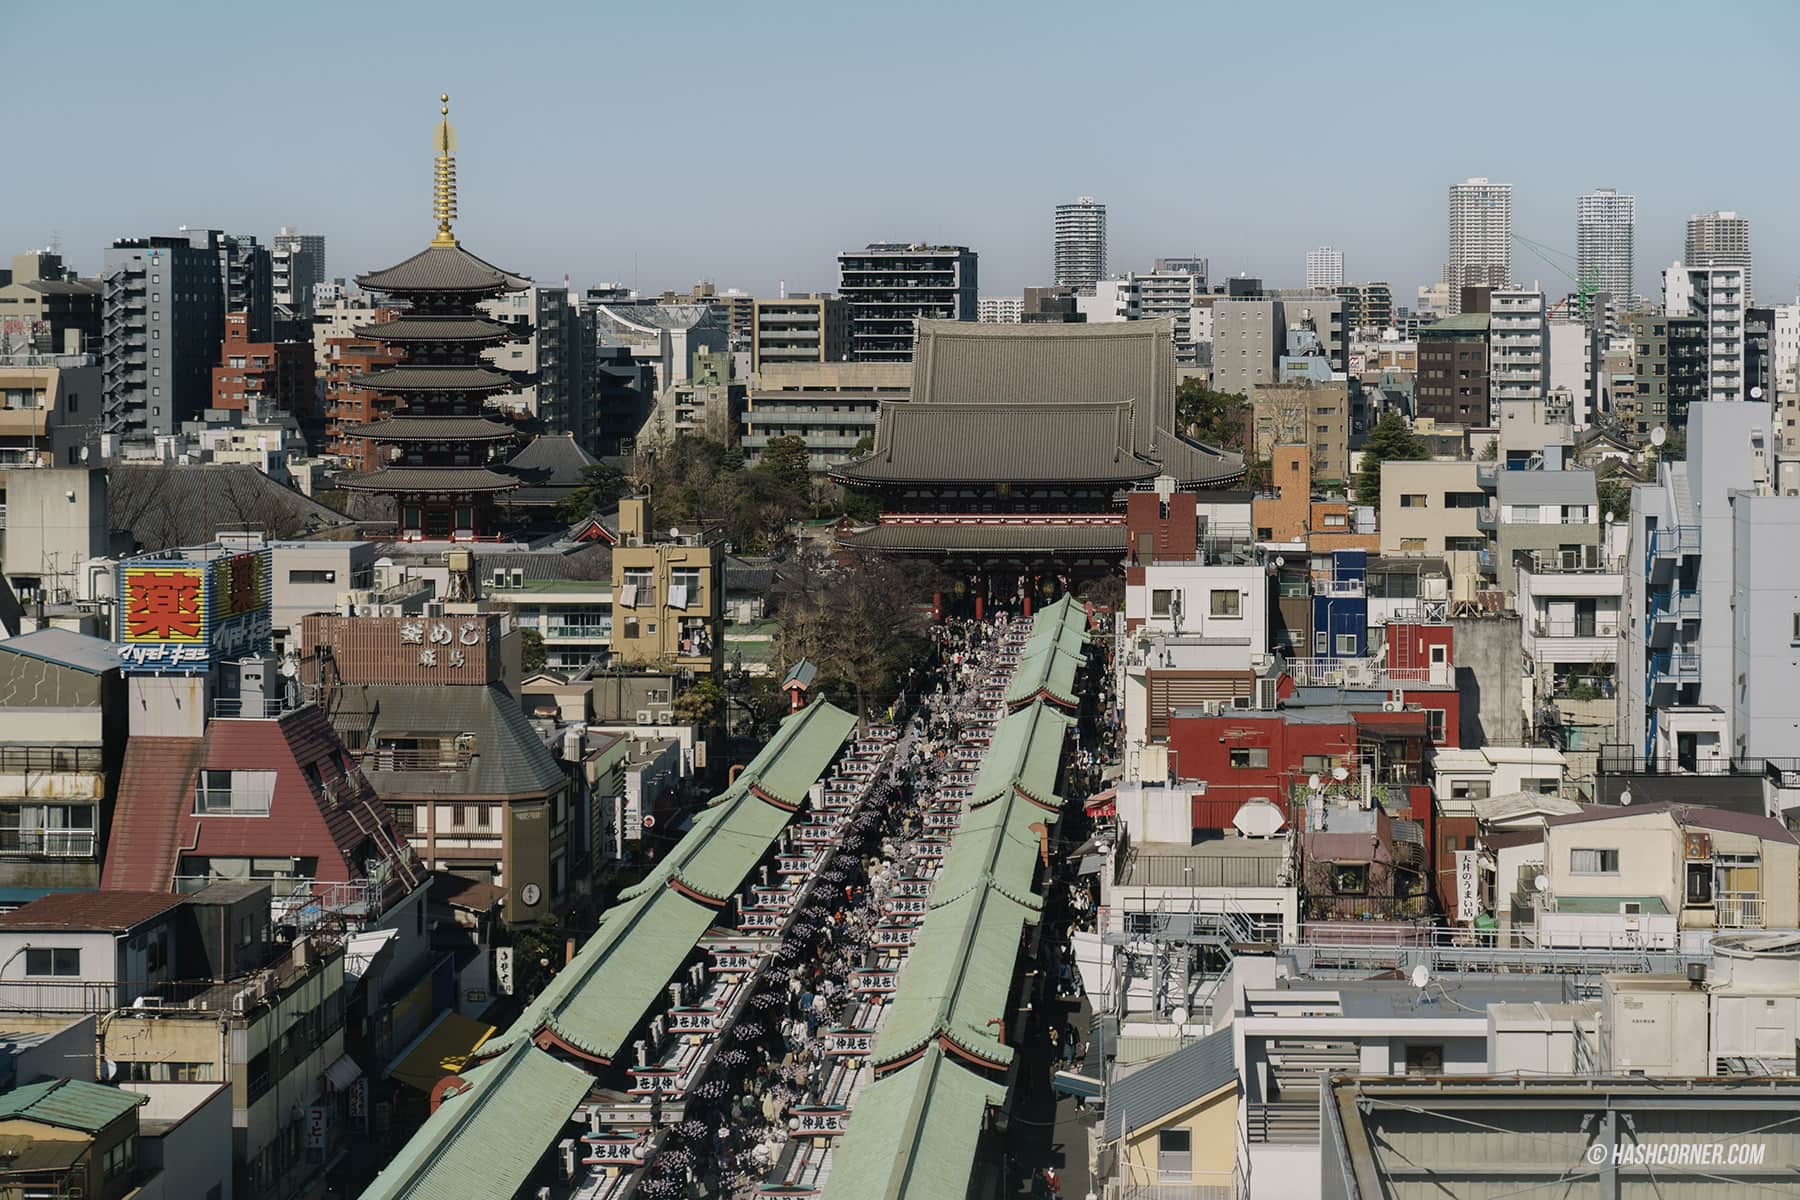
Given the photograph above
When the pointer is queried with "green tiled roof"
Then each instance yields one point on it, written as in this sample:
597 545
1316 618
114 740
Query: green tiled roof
596 1001
914 1134
994 844
1049 670
69 1104
791 761
484 1142
958 978
1025 753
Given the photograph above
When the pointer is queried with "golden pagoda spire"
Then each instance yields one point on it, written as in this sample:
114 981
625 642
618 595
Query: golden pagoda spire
443 192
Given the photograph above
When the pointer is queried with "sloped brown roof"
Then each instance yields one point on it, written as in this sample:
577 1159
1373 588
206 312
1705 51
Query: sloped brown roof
420 377
117 911
421 328
410 428
443 269
155 786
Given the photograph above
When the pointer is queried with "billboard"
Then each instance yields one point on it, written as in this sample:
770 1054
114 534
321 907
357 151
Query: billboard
177 616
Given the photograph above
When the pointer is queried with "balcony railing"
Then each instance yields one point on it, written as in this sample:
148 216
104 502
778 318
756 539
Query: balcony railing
1738 910
49 843
32 760
417 759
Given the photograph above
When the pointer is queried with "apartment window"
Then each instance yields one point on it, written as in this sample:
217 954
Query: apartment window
1322 644
1350 879
1545 786
638 583
1412 545
1336 521
312 576
1226 602
684 588
234 793
1474 789
1316 764
1250 757
53 962
1346 644
1795 638
1593 862
1412 500
1160 601
631 628
1434 724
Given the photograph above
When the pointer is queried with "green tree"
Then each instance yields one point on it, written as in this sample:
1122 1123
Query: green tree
1491 451
790 463
1216 418
701 704
858 620
1390 440
600 488
1615 498
531 651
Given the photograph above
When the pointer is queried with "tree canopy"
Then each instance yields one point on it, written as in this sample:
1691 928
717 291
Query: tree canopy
1216 418
1390 440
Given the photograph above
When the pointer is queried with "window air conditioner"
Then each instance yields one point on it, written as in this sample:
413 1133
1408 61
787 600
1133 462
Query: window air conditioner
643 716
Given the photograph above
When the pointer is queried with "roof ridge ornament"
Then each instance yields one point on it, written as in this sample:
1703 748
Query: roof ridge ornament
443 191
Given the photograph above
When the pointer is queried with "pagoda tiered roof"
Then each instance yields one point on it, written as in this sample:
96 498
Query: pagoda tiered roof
443 269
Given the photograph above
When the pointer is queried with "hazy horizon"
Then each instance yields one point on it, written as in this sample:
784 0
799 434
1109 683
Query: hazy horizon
656 146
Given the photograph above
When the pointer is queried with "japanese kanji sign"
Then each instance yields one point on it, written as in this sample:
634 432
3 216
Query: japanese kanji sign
176 616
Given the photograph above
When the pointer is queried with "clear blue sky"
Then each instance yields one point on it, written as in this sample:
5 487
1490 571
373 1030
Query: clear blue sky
659 143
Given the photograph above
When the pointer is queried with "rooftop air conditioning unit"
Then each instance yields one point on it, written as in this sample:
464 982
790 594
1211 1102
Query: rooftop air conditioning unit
1240 702
665 717
643 716
1631 908
434 608
566 1152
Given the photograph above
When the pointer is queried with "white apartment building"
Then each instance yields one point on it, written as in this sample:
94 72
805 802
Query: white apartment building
1518 366
1324 267
1720 239
1717 295
1000 310
1480 237
1606 243
1080 260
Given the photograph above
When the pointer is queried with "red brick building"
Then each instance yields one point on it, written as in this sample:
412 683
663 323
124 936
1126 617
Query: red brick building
347 403
263 378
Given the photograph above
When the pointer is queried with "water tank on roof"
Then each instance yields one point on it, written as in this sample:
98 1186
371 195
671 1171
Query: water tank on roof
1258 817
1760 962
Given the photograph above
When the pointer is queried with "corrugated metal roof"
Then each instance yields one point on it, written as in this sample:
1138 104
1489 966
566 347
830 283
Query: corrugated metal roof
69 1104
914 1134
156 786
117 911
484 1142
1170 1084
66 648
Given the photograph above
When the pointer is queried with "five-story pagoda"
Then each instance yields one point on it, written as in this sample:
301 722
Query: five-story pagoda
441 446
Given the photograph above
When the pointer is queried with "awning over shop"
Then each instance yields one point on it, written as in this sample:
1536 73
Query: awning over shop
445 1048
1068 1083
1090 864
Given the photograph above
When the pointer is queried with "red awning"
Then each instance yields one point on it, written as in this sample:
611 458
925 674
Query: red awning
1103 804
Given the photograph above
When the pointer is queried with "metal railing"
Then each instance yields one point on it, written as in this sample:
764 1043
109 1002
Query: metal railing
51 843
1283 1123
1738 910
221 802
250 708
448 758
51 759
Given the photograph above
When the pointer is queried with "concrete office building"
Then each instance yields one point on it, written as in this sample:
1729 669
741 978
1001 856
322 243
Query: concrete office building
1721 239
548 355
1569 370
1669 359
1185 264
801 328
45 309
1518 367
49 409
889 286
1606 243
1313 414
1080 260
310 244
1250 336
833 406
163 319
246 276
1718 296
1451 386
1324 268
1480 237
1709 598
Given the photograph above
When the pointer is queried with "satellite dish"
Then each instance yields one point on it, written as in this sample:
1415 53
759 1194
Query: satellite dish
1541 882
1658 436
1281 560
1625 797
1179 1016
1756 393
1315 783
674 531
1421 975
1340 773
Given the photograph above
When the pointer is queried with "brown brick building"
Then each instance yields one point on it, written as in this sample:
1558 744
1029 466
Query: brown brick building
1451 386
347 403
263 378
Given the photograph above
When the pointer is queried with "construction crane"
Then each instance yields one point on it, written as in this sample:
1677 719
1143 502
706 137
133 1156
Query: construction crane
1586 285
